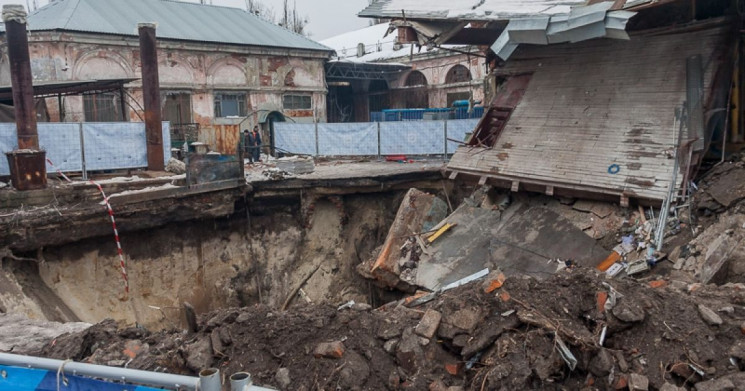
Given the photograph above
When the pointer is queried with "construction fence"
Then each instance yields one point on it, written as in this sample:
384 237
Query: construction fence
372 138
88 146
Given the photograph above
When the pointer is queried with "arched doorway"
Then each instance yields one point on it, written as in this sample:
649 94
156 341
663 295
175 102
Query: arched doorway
416 95
269 119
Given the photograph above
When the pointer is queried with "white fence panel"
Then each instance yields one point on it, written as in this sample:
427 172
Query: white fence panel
114 145
348 139
62 143
412 138
8 142
295 138
457 131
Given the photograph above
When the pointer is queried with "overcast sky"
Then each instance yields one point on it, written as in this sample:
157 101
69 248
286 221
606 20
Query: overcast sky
326 17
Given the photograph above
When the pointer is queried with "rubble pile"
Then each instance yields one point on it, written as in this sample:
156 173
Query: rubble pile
577 329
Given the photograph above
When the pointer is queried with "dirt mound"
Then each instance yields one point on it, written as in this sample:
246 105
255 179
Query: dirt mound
524 335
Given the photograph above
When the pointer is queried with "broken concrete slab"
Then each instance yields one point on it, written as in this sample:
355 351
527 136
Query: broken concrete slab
419 212
600 209
728 189
520 241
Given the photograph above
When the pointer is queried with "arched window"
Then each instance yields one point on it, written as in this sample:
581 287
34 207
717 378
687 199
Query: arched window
458 74
416 98
415 79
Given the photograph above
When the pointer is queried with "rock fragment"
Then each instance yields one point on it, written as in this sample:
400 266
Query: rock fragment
709 316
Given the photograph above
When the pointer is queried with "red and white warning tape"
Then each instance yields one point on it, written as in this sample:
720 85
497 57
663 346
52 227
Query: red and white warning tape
119 251
58 171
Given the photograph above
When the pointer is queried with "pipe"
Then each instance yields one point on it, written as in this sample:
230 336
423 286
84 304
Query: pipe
209 380
240 381
104 372
14 17
151 96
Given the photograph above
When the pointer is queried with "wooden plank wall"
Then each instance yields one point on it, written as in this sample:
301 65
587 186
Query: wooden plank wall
594 104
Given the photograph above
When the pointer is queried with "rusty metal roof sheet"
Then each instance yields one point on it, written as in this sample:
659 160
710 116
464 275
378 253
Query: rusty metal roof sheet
175 20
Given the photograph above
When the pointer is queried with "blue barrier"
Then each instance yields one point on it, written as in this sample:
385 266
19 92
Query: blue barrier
25 379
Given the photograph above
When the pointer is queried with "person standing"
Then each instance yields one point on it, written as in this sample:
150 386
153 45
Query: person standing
255 139
247 146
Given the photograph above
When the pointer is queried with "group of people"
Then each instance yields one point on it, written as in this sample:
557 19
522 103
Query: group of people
252 145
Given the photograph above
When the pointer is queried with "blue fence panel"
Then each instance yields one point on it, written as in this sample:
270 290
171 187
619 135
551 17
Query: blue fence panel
348 139
8 142
108 146
457 131
62 143
412 138
114 145
25 379
295 138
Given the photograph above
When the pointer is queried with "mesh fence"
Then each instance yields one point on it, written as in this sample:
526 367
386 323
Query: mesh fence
373 138
107 146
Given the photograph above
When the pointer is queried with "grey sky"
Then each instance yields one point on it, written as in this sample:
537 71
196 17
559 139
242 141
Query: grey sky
326 17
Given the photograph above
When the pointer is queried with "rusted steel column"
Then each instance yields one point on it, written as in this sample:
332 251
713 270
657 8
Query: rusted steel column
151 96
14 17
28 170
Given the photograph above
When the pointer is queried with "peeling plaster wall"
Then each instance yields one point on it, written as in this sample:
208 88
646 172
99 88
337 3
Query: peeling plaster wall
435 68
264 74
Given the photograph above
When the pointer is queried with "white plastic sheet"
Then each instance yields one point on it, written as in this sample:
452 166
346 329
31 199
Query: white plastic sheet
295 138
108 146
457 131
412 138
361 139
348 139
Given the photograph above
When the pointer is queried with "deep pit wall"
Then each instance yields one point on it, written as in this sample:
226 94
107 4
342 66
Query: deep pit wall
214 264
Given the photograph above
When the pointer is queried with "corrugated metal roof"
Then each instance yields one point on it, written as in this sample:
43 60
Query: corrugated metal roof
467 9
175 20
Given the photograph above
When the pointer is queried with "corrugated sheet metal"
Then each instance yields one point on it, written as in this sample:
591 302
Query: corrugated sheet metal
467 9
593 105
175 20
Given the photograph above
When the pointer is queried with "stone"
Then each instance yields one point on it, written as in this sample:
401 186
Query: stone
715 385
737 350
427 327
638 382
390 330
709 316
438 385
199 354
628 311
461 340
390 345
670 387
602 364
334 349
243 317
466 318
409 352
176 166
361 307
282 377
355 372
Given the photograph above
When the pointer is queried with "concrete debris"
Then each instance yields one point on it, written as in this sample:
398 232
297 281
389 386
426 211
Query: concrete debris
19 334
334 349
296 165
176 166
473 344
709 316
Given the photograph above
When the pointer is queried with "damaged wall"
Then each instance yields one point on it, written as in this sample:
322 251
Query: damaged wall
262 75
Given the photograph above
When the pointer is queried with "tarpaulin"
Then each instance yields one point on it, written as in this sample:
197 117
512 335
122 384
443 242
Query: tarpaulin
25 379
108 146
295 138
348 139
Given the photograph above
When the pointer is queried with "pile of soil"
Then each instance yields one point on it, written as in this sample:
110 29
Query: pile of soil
664 333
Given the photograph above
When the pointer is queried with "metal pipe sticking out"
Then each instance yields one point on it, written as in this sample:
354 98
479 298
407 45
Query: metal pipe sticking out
27 163
209 380
240 381
151 96
104 372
